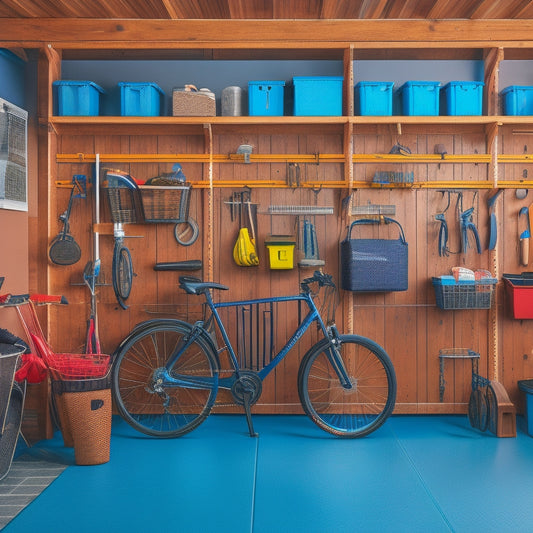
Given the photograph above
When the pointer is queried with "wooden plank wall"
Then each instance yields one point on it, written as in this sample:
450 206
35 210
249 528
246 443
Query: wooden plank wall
408 324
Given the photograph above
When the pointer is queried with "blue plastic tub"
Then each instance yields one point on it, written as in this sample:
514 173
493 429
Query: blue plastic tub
140 99
420 98
317 95
266 98
463 97
373 98
77 98
518 100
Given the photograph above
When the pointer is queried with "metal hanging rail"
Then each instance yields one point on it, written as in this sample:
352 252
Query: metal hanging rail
289 158
294 158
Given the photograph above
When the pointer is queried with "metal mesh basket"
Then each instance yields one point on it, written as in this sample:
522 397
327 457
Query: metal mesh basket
475 295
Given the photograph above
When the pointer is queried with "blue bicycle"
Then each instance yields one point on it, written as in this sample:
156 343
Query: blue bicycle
167 372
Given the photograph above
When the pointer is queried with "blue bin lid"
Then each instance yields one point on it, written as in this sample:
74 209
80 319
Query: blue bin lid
468 83
518 88
381 83
526 385
140 84
317 78
408 84
78 83
266 82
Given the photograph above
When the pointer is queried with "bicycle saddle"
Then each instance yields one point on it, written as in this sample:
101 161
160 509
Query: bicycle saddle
196 286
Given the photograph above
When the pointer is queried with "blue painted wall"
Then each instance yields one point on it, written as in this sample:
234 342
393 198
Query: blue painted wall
12 78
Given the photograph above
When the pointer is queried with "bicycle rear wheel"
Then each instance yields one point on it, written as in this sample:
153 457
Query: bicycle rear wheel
348 412
138 393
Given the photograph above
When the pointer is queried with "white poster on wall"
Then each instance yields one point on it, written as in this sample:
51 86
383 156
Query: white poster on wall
13 157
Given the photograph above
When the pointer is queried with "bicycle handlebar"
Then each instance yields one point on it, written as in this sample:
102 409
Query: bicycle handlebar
323 280
18 299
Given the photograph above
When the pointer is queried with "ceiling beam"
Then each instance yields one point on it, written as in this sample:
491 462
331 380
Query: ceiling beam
130 33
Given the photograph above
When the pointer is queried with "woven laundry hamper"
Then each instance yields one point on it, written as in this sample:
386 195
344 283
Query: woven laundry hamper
191 102
61 386
85 410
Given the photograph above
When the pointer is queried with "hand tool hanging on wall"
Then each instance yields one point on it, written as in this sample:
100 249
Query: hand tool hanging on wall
64 250
524 236
244 251
293 175
467 225
309 245
493 236
90 276
444 250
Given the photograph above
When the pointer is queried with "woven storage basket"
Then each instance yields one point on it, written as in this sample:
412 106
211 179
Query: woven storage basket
165 204
192 104
59 387
123 204
89 414
374 265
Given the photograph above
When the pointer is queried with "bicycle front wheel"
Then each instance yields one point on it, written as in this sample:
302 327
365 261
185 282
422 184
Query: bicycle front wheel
141 395
362 406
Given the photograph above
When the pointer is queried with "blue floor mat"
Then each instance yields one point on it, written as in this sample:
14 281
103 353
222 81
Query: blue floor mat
415 474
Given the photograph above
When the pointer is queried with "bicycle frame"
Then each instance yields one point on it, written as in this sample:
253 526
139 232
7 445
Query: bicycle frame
226 383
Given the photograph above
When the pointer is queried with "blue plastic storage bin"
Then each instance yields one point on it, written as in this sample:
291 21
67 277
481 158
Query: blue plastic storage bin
77 98
518 100
265 98
463 97
526 386
317 95
373 98
420 98
140 99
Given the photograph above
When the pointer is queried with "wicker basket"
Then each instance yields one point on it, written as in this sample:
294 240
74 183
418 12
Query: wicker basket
124 204
60 387
165 204
192 104
89 415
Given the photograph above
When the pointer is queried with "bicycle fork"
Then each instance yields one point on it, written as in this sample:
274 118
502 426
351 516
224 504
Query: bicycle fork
334 356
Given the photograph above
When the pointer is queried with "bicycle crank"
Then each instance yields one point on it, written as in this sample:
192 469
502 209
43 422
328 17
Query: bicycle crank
246 391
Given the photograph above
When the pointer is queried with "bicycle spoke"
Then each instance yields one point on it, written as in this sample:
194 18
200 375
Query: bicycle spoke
354 411
157 407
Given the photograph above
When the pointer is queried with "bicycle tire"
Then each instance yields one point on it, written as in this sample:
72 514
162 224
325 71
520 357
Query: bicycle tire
144 352
186 232
349 413
122 273
478 411
492 410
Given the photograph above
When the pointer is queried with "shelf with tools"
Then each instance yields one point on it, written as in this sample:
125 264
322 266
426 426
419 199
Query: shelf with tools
338 157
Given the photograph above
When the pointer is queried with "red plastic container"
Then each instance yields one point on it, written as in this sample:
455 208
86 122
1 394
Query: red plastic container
519 292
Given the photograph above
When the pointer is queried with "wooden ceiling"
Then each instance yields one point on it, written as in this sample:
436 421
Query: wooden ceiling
268 9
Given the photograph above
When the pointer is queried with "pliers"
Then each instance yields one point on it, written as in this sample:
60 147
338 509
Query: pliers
468 225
